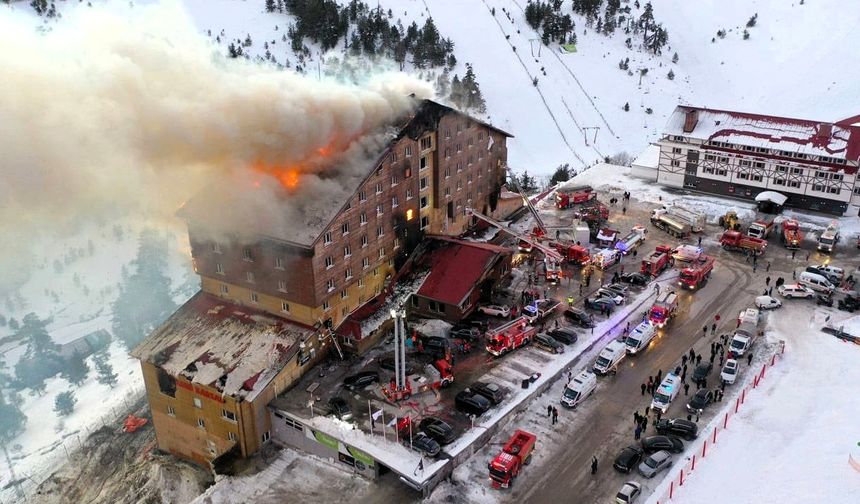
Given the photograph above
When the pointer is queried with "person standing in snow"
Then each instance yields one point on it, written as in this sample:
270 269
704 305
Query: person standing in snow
643 387
637 433
686 388
749 359
593 464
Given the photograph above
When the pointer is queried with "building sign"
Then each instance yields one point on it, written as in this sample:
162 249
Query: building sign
199 391
326 440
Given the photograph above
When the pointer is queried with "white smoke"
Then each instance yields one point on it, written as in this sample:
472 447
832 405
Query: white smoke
108 113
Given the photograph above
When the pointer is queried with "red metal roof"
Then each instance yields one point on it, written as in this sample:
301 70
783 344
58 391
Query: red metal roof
455 269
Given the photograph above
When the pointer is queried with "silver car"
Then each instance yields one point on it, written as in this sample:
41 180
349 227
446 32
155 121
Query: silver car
628 493
655 463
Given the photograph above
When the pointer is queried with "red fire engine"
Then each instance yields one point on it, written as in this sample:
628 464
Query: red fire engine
695 275
516 453
510 336
658 261
566 198
663 309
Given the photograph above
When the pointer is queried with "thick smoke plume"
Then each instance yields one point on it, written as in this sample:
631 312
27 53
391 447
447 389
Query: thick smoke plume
109 113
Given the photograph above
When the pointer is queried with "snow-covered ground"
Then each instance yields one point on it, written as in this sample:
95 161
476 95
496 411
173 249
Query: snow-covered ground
792 439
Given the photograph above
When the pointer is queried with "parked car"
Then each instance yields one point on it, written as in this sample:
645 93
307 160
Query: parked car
729 372
578 317
605 293
637 279
340 408
618 287
702 371
700 401
678 427
546 342
655 463
792 291
832 273
767 303
471 402
672 444
824 300
435 345
627 459
599 304
495 310
424 444
361 380
492 391
564 335
437 429
629 492
387 363
466 333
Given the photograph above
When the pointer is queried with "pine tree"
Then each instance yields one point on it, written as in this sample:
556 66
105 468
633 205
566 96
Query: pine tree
64 403
746 35
106 376
12 420
75 369
562 174
646 21
752 20
271 6
457 95
675 58
472 92
626 107
670 75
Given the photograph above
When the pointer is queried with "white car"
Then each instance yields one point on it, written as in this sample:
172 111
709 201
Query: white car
791 291
767 302
729 372
687 253
612 294
496 310
628 493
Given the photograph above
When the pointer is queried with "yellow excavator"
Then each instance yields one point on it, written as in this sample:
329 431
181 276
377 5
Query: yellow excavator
730 221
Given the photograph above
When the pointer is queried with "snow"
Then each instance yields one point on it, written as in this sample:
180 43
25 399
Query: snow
432 327
795 432
396 300
649 158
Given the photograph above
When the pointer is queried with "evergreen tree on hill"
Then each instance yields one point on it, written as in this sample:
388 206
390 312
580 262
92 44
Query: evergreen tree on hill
64 403
562 174
12 420
75 369
106 376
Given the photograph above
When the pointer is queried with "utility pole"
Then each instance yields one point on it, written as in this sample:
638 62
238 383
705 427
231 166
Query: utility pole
585 133
532 47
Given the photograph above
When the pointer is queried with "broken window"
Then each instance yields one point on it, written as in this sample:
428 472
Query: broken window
166 383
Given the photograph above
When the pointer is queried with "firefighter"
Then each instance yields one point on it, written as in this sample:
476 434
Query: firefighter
570 301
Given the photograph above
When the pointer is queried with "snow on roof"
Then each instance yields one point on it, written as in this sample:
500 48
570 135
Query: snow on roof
649 157
772 196
72 332
396 300
816 138
232 348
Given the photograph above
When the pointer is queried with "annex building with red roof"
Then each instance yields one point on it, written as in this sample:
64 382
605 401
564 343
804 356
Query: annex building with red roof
813 164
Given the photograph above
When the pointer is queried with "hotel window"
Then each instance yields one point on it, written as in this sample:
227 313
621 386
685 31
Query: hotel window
779 181
363 241
380 208
344 228
459 166
362 218
480 153
343 294
197 402
459 128
448 192
781 168
327 238
249 276
246 254
759 165
348 273
201 423
394 180
396 243
171 410
409 194
833 190
744 162
481 136
471 159
710 157
231 436
254 297
216 247
423 201
347 251
285 307
459 184
381 253
408 151
422 184
407 172
796 171
469 141
794 183
362 196
676 163
279 263
229 415
447 171
219 268
393 156
817 187
329 262
821 174
380 230
422 163
459 147
326 306
267 436
857 190
679 138
469 179
724 160
365 263
743 175
836 176
447 152
394 202
224 289
378 187
329 285
361 283
756 177
447 133
425 222
676 150
376 271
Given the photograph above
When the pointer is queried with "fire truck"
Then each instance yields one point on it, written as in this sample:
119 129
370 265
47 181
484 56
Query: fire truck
539 309
437 375
516 453
658 261
663 309
734 240
696 273
574 254
791 234
566 198
510 336
593 213
760 228
631 240
604 258
670 224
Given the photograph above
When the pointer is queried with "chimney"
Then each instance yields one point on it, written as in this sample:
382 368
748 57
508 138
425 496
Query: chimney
824 131
691 120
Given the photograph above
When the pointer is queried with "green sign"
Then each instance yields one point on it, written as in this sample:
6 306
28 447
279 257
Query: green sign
570 48
361 456
326 440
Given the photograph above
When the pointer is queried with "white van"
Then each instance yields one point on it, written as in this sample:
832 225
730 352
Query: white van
666 392
608 359
815 282
639 337
578 389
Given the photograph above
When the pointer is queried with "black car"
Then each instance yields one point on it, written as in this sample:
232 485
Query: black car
340 408
679 427
700 401
471 402
546 342
702 371
360 380
466 333
478 325
564 335
437 429
493 392
824 299
387 363
578 317
423 443
849 303
599 304
637 279
435 345
628 459
672 444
